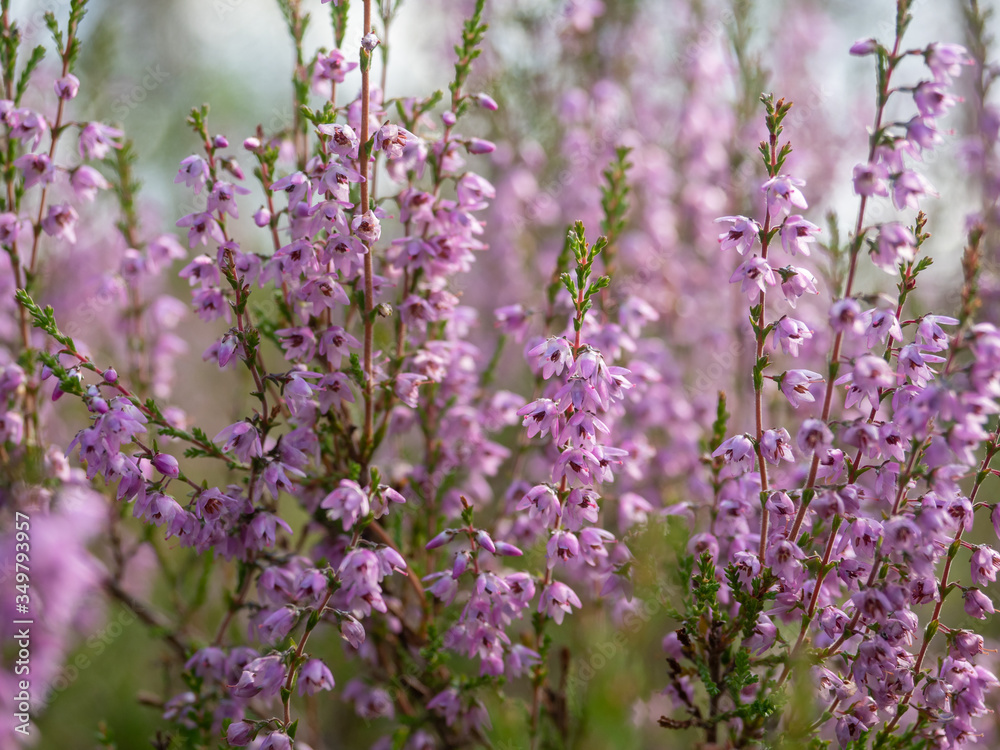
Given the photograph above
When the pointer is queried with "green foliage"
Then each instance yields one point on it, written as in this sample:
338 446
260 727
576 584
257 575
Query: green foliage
338 19
774 155
614 195
467 50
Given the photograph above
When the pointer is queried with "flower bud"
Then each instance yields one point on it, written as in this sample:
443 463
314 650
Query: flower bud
480 146
67 86
262 218
864 47
166 465
486 102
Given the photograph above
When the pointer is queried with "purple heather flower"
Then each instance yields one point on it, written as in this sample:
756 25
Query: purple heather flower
277 741
193 172
11 427
296 186
27 125
554 355
240 733
921 133
907 188
791 334
278 624
776 445
930 334
741 236
97 139
946 60
881 325
203 227
343 140
349 503
577 465
262 217
367 228
965 645
66 88
795 385
871 179
846 316
797 234
932 99
557 599
892 153
162 251
763 636
352 631
333 66
86 181
392 140
264 528
201 270
977 604
242 439
562 546
542 504
447 704
896 244
474 192
580 508
784 557
592 544
10 228
985 563
60 222
223 198
738 454
263 676
298 343
754 275
814 436
633 510
797 281
912 363
869 375
542 416
747 568
315 676
36 168
782 194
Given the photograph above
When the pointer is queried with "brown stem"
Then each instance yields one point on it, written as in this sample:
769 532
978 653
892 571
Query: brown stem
369 271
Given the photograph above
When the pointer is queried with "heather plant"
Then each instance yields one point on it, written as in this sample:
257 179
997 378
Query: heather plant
404 532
